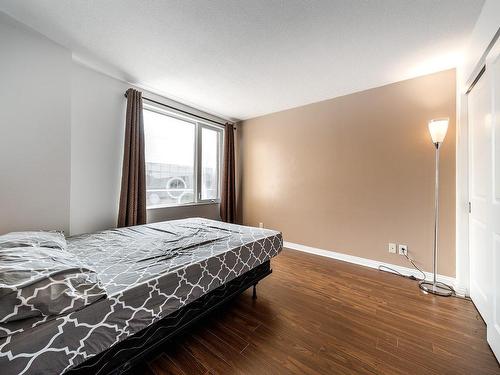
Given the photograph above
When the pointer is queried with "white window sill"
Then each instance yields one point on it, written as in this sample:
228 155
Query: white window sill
182 205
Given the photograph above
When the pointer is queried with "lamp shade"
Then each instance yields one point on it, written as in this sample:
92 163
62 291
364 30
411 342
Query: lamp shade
438 129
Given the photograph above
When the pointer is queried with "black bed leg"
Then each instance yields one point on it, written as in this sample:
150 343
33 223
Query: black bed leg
254 295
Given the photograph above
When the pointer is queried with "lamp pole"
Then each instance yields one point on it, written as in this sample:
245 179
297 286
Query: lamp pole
436 212
436 287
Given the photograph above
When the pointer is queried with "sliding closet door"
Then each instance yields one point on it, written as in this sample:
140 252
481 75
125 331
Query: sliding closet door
480 241
493 67
484 177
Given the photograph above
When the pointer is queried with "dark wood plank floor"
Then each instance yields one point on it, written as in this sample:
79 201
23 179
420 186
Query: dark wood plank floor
314 315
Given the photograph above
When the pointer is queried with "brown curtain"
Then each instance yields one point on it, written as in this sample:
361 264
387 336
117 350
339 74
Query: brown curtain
132 209
228 193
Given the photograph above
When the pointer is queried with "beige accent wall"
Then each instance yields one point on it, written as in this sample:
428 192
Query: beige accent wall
352 174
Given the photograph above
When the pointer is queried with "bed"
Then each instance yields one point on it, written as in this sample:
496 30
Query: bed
158 278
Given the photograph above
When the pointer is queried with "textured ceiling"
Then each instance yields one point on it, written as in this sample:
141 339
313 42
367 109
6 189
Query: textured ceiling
241 59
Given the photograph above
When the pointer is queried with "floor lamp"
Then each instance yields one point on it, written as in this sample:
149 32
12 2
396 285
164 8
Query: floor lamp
438 129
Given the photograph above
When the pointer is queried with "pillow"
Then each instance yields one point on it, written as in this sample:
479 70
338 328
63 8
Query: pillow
54 240
44 282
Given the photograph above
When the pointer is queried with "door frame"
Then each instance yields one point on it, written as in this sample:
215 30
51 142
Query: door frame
462 196
462 284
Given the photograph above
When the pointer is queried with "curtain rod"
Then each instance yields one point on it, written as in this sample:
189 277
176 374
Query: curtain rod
181 110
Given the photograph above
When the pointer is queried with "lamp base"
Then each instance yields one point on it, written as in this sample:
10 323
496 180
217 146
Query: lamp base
438 288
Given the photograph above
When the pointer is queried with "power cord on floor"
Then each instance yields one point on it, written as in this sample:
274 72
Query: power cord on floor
412 277
397 273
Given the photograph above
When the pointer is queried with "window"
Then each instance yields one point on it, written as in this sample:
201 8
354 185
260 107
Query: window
209 163
183 159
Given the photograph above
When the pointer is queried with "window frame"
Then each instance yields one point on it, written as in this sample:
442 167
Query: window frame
199 151
199 126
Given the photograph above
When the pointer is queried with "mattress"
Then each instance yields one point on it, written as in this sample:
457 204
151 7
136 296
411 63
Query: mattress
148 272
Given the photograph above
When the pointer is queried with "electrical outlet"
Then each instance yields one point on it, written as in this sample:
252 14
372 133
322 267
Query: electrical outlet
403 250
261 225
392 248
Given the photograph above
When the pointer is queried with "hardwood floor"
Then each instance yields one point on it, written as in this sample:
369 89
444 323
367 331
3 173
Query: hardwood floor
315 315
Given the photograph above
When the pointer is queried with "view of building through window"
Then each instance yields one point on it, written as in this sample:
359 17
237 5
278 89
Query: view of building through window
170 153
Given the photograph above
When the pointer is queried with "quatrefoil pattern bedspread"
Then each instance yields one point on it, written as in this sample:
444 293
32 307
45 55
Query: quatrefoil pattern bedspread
148 272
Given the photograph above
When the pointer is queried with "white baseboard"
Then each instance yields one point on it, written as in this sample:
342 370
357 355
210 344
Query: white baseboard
373 264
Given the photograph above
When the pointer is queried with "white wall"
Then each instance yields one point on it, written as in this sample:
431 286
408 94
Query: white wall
34 130
484 30
97 135
209 211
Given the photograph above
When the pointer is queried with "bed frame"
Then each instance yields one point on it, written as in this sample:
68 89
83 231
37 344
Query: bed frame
122 357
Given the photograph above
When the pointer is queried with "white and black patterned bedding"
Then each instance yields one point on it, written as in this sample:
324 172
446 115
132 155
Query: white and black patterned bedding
147 272
39 283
